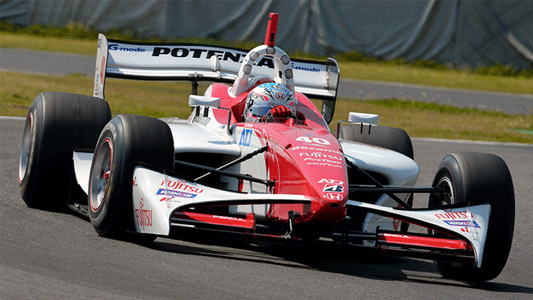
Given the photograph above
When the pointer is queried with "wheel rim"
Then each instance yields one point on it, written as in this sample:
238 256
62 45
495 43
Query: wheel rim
25 152
448 196
101 175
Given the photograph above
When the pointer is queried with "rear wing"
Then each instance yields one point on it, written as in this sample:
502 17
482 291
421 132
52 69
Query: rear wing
192 62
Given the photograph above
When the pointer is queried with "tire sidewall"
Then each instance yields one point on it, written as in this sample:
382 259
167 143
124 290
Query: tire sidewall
108 216
27 183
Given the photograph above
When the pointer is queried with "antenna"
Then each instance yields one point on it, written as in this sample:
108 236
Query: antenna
270 37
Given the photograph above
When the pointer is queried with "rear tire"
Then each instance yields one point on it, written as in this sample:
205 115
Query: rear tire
57 123
382 136
392 138
125 141
473 179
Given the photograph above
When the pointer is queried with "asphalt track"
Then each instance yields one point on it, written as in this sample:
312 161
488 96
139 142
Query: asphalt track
50 63
58 255
51 255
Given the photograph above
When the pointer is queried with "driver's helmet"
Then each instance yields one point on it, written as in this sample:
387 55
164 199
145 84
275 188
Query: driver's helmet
265 97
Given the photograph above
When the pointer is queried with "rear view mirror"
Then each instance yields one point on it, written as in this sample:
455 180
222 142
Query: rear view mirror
195 100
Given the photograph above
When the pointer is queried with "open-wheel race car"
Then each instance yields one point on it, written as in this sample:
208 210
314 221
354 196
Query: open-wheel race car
256 160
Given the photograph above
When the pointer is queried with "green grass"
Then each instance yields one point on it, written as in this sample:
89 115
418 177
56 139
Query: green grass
441 78
167 99
155 99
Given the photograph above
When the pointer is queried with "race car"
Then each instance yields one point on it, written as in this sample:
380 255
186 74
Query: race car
256 160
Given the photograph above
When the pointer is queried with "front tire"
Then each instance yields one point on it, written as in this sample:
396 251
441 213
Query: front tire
56 124
473 179
125 141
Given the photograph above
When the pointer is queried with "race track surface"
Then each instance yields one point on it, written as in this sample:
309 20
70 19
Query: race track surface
58 255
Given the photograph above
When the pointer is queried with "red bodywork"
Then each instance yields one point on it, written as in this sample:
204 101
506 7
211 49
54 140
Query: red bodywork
303 158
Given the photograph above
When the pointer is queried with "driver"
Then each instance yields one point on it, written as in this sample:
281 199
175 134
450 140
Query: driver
269 102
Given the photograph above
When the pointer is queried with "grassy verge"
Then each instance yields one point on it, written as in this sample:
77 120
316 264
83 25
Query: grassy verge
165 99
53 44
155 99
434 75
442 78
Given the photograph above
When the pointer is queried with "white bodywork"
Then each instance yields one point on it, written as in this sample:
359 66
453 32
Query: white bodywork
399 169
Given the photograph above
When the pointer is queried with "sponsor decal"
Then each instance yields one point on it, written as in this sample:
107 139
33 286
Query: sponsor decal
295 67
463 223
116 47
463 219
182 185
330 181
334 196
450 215
322 164
174 193
321 156
246 137
280 96
199 53
143 216
333 188
323 160
102 70
316 149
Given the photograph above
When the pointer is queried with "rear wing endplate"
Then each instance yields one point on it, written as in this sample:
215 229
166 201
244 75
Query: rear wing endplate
192 62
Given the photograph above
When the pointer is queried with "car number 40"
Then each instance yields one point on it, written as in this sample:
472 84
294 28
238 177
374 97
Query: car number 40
306 139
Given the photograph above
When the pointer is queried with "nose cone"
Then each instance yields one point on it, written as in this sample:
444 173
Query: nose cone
314 165
325 172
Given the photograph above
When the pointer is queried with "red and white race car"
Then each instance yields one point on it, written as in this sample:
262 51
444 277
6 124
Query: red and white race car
256 160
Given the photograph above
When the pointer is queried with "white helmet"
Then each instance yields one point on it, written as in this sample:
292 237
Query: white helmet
266 96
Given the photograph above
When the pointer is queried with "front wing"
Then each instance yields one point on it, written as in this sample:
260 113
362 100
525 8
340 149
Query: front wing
161 201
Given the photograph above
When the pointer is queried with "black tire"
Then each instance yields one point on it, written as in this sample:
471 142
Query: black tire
382 136
124 141
57 123
473 179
